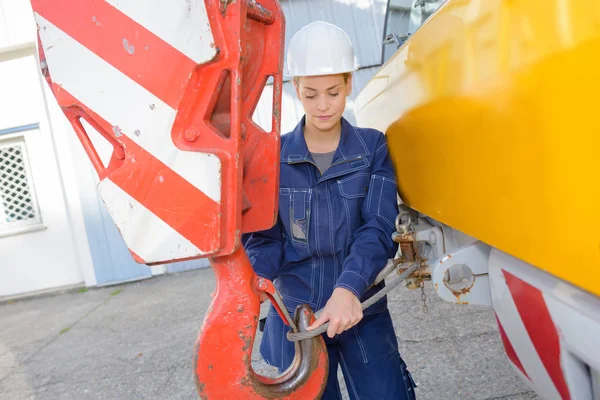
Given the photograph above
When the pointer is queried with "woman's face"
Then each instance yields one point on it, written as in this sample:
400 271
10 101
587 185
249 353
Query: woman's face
323 99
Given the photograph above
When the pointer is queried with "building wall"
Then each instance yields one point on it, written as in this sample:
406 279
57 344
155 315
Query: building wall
45 247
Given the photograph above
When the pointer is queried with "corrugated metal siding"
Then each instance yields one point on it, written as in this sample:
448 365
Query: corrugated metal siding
363 20
398 21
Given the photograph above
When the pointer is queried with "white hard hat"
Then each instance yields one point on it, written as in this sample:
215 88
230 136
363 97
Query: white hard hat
320 48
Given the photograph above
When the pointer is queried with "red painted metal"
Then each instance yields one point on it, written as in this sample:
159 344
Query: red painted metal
222 362
217 107
267 287
542 331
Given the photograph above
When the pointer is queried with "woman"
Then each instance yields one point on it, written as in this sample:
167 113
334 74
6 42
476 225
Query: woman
337 207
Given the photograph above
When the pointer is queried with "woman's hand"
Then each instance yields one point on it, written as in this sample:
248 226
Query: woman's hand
343 311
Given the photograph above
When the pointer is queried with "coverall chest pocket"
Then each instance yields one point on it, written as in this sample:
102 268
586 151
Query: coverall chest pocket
296 204
353 191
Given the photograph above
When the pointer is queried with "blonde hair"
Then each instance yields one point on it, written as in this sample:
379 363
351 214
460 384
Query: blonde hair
345 74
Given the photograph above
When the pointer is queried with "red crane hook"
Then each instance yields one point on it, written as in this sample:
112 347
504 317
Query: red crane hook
223 355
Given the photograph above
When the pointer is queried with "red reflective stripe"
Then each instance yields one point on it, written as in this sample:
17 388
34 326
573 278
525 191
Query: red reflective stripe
510 351
542 331
123 43
159 189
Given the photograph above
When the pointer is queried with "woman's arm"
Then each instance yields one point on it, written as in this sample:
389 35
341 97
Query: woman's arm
265 250
371 249
373 244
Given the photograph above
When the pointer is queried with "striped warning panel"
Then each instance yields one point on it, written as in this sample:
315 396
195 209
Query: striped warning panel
128 62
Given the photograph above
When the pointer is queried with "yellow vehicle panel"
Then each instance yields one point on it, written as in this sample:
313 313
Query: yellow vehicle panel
492 115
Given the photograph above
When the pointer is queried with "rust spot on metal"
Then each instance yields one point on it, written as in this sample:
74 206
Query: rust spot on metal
443 260
247 340
462 292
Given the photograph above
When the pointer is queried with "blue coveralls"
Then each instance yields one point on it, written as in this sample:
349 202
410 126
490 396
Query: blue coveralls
334 231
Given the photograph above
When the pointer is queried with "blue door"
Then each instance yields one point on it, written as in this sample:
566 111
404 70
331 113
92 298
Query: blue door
113 262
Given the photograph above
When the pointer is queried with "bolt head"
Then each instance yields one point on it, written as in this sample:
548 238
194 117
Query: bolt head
262 285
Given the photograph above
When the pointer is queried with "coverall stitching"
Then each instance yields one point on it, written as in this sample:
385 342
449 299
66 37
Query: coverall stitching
364 145
341 173
312 279
361 277
360 344
318 248
380 197
380 147
387 221
341 183
386 179
348 231
285 296
287 140
350 288
331 237
370 193
342 153
353 177
351 381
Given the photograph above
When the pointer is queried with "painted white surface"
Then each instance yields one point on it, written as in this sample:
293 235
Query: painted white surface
130 111
16 31
47 258
145 234
181 23
64 137
508 315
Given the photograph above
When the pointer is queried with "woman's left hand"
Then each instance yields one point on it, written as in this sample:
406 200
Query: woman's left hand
343 311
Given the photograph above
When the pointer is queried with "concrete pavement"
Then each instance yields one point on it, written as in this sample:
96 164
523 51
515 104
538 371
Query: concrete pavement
135 341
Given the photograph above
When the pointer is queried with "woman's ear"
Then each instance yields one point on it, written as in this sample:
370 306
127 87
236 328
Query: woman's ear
349 85
297 87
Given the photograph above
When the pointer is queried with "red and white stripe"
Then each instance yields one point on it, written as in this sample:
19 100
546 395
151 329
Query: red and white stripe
129 61
550 330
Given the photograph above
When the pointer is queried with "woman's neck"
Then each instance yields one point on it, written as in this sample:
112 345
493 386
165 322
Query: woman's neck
322 141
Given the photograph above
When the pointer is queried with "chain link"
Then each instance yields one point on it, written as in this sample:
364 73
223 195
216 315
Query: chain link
424 297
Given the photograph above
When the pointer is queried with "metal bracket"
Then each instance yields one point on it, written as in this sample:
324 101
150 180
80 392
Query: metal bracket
397 39
462 276
267 287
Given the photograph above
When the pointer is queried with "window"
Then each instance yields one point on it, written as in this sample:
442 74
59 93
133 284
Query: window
403 18
19 210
